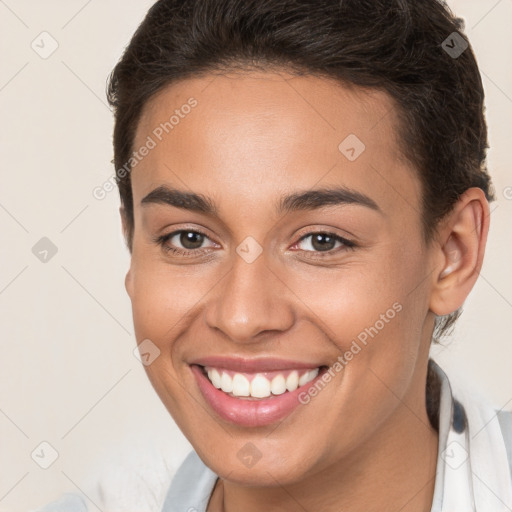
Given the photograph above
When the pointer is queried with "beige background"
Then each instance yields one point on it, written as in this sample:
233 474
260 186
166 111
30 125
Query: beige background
68 373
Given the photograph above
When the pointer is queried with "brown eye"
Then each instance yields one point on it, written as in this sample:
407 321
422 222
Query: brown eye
190 239
184 242
323 242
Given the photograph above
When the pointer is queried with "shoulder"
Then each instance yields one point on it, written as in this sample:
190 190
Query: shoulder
68 502
191 486
134 476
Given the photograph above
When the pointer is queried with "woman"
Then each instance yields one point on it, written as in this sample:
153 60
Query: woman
306 203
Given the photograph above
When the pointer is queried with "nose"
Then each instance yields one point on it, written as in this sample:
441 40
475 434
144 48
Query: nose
250 301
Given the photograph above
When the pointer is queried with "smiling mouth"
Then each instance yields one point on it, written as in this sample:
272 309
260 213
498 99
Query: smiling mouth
259 385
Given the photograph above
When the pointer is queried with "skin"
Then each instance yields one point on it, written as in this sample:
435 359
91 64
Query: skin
253 137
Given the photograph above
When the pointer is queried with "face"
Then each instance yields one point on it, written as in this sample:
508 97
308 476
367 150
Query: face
277 235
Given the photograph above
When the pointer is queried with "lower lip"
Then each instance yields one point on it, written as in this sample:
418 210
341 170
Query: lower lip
250 413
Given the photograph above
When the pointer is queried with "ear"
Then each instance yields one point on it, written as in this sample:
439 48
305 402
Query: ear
460 251
128 280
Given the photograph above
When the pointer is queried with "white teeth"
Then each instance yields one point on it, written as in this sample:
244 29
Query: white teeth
278 386
241 385
214 376
226 383
260 386
308 376
292 381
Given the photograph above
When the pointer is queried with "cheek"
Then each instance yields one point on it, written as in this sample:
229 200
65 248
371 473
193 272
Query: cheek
354 302
373 314
164 298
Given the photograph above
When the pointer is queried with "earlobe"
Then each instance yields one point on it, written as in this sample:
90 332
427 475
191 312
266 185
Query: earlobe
128 283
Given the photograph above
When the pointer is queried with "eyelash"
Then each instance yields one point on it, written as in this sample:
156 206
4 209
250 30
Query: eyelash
162 241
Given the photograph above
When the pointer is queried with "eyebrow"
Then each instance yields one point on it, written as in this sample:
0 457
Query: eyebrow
306 200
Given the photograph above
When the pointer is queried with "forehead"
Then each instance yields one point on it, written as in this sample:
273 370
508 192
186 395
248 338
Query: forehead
255 134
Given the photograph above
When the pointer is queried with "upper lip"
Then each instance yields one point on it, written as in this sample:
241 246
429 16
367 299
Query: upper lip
242 364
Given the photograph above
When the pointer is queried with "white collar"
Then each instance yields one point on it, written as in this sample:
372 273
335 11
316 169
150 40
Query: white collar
473 469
